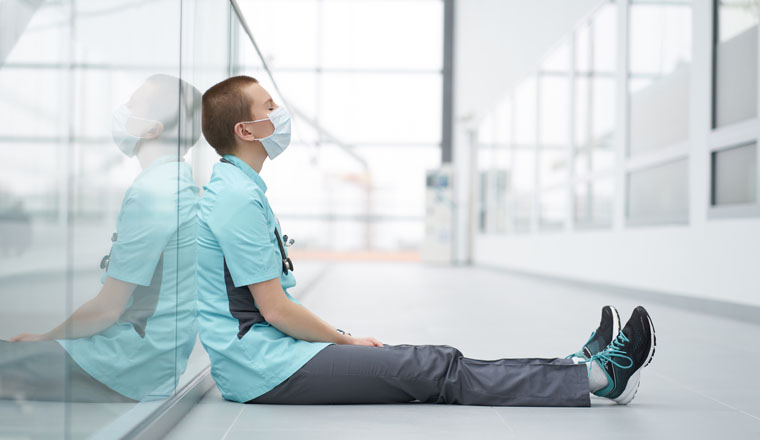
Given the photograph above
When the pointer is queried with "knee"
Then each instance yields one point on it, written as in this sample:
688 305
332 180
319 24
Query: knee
446 353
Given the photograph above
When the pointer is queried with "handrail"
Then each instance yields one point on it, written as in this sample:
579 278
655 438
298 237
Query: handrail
350 150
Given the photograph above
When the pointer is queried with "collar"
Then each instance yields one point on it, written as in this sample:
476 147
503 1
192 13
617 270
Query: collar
245 168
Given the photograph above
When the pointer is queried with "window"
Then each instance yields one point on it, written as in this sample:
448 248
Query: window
595 50
734 175
735 68
659 63
659 194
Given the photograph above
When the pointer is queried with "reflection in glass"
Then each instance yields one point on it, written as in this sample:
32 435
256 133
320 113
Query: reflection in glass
131 341
659 194
735 175
735 61
659 63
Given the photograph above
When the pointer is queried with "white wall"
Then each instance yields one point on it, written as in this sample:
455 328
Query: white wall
708 257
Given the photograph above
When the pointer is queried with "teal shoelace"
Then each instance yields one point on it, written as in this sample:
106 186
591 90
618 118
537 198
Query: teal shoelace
614 351
580 352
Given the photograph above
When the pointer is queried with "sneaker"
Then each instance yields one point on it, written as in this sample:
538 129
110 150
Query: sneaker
623 360
609 327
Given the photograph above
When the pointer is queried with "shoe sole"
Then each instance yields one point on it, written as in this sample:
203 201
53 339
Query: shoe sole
633 383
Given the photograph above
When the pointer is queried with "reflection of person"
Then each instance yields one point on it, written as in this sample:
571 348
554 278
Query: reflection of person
132 340
265 347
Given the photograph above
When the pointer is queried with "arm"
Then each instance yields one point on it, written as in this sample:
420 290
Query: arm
91 317
296 320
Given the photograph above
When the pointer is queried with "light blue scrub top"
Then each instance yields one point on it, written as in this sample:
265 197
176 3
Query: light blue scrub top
236 232
143 354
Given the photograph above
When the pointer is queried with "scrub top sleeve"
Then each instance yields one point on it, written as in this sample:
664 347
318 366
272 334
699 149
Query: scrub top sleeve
145 224
240 225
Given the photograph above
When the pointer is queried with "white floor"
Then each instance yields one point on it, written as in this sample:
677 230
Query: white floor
704 381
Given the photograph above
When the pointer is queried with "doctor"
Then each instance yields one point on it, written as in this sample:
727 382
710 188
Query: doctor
266 347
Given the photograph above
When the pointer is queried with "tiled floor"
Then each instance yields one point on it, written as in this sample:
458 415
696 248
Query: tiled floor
703 382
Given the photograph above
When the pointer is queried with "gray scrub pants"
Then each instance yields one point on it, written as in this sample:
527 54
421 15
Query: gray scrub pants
42 370
351 374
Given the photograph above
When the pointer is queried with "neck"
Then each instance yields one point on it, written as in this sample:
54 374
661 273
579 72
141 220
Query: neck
253 155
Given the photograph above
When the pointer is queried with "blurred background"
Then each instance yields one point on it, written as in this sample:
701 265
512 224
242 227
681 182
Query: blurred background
612 143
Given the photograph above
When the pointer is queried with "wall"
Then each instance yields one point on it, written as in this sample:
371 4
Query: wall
710 255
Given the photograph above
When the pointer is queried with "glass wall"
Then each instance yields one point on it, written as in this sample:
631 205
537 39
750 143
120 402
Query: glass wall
570 165
102 165
594 113
735 72
734 159
558 155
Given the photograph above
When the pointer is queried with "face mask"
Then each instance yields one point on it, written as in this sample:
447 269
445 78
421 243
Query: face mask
277 142
126 141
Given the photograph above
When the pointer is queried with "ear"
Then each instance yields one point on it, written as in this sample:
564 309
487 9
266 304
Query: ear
242 132
154 131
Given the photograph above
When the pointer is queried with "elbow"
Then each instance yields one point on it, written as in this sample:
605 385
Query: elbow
273 316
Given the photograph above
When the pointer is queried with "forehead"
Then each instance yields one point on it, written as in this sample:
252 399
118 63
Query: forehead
258 94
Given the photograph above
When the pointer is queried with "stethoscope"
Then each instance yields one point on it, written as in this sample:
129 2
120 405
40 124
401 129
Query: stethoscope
107 258
287 263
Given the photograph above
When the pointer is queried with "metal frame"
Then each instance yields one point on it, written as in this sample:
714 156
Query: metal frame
447 122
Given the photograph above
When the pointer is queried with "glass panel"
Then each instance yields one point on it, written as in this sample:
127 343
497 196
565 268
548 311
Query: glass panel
593 202
553 209
660 55
381 107
736 62
554 114
523 212
525 137
286 39
34 296
595 92
350 30
735 175
659 194
554 136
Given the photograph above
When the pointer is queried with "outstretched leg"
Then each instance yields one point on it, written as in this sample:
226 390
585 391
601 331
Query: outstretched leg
350 374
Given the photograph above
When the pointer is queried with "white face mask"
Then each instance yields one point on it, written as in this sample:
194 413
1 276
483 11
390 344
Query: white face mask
126 141
278 141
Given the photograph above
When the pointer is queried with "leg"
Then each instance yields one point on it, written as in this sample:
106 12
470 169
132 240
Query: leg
41 370
352 374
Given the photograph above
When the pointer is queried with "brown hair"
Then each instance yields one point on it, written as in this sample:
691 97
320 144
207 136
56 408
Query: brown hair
223 106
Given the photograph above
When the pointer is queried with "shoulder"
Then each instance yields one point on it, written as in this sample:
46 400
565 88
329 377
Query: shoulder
228 194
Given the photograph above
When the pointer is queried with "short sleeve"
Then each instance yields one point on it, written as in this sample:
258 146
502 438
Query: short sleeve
239 222
145 224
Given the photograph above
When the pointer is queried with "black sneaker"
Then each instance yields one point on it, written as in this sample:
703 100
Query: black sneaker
609 327
623 360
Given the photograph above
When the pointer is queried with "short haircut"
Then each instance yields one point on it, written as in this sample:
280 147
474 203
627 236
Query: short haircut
177 104
224 105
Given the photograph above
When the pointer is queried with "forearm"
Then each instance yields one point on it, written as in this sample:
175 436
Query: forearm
89 319
299 322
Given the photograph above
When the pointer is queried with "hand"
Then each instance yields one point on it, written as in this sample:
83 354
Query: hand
28 337
371 342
